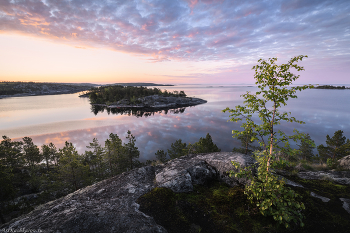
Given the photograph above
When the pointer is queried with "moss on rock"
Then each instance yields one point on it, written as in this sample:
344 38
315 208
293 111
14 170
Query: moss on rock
216 207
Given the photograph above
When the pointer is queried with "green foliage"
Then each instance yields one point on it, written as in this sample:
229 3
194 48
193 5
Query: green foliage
114 154
337 146
331 163
94 159
269 193
177 149
31 154
274 82
204 145
71 169
306 148
49 153
131 151
110 94
161 156
266 190
11 152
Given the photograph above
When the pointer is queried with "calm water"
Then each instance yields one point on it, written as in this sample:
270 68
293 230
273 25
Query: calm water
60 118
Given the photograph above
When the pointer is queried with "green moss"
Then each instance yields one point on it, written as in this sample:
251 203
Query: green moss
220 208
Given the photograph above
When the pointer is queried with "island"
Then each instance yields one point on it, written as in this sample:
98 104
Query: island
123 98
331 87
18 89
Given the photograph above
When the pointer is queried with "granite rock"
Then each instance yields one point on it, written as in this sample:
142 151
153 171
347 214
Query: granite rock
110 205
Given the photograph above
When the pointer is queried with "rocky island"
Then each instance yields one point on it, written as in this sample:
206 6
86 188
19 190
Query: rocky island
133 97
156 102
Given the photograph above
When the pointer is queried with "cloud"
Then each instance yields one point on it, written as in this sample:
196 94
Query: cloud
196 30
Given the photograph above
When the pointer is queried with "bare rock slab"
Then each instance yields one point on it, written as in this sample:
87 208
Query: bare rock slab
110 205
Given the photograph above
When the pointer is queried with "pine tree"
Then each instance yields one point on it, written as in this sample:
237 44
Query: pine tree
131 151
205 145
114 154
71 168
177 149
337 146
161 156
306 148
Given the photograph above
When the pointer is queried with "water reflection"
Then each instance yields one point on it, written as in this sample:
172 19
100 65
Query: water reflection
138 112
324 112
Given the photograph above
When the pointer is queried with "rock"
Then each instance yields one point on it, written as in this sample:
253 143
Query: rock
324 199
346 204
158 102
340 177
345 162
110 205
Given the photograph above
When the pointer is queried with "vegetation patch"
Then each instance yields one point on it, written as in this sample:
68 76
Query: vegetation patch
220 208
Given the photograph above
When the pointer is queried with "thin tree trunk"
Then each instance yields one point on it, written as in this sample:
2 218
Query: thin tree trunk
271 137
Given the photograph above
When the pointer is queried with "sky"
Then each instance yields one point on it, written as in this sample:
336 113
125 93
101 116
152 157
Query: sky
171 41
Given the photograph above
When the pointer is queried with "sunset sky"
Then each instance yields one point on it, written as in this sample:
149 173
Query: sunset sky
171 41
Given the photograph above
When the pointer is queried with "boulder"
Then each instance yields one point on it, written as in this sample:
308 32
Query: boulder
110 205
345 162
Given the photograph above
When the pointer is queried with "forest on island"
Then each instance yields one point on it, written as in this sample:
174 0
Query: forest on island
114 93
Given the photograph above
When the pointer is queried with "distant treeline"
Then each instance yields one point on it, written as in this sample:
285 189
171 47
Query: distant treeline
12 88
111 94
330 87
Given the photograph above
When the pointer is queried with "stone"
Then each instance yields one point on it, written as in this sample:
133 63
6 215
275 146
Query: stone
346 204
345 162
110 205
324 199
340 177
157 102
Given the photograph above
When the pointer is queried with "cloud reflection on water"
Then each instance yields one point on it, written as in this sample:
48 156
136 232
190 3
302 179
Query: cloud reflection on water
324 112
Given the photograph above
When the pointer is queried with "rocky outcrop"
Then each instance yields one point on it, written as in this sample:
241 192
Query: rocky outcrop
110 205
340 177
157 102
345 162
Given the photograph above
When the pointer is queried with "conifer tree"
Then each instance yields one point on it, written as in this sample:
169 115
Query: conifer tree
131 151
71 168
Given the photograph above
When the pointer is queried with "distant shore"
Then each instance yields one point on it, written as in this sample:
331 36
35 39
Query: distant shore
331 87
24 89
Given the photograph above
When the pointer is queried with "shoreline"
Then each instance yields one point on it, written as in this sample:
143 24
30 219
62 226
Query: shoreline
37 94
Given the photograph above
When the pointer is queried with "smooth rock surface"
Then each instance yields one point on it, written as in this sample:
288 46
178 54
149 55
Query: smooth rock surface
340 177
324 199
346 204
110 205
345 162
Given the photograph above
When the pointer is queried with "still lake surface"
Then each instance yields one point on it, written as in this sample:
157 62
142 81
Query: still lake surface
60 118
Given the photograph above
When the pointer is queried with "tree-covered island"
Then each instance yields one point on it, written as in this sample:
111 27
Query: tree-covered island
139 97
331 87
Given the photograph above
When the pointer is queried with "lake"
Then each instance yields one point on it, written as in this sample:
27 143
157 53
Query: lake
60 118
